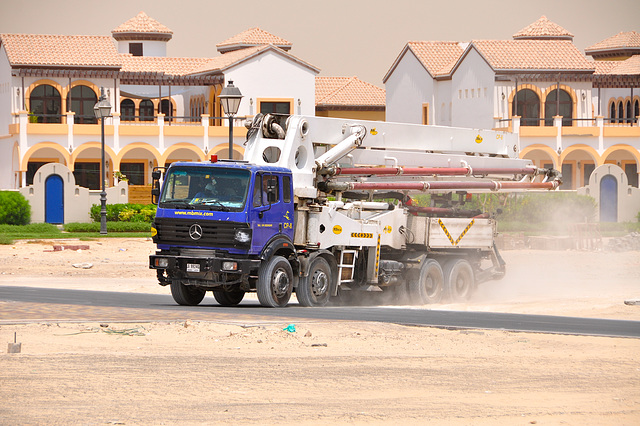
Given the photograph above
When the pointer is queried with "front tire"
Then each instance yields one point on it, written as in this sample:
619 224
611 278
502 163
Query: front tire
427 287
186 295
459 280
315 288
275 282
228 298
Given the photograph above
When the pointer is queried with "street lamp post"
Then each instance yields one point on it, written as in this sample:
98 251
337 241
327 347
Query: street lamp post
102 110
230 97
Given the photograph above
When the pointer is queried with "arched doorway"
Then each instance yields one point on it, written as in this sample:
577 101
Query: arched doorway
608 199
54 199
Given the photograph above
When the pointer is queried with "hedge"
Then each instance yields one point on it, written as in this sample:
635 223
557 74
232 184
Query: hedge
111 227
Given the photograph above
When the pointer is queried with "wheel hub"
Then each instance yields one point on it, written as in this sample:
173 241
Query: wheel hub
319 283
280 283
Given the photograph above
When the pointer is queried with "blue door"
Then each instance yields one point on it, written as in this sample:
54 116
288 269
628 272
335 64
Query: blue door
609 199
272 212
54 199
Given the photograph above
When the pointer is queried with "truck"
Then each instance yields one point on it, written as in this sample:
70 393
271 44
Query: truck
323 208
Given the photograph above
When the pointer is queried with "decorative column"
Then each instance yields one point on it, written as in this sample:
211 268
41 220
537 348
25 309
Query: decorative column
70 123
557 123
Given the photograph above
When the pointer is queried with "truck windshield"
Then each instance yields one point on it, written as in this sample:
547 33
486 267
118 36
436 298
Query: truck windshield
210 188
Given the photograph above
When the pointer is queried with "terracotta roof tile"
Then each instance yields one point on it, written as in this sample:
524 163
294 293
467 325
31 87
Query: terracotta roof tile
141 23
543 29
538 55
251 38
234 57
620 41
60 50
603 67
436 56
168 66
629 66
348 91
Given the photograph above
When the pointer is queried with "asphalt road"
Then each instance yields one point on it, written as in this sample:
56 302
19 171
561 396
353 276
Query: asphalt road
33 304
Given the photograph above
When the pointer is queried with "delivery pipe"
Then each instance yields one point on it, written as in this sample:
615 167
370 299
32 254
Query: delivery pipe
434 186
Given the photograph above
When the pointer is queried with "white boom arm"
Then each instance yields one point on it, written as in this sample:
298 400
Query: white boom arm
312 144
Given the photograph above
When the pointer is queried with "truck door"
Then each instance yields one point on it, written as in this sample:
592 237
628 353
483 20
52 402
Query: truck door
272 211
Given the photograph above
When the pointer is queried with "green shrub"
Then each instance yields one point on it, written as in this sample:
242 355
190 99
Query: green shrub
125 212
111 227
14 208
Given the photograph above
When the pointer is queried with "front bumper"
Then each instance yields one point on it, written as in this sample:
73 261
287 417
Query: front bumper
204 270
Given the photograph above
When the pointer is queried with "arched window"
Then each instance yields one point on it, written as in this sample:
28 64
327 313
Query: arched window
81 100
629 112
551 108
128 110
167 109
146 110
620 112
636 111
527 106
612 112
46 104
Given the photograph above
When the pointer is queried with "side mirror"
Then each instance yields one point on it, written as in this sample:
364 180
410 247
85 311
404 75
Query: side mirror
156 174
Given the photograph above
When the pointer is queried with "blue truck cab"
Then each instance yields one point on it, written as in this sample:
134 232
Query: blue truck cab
223 226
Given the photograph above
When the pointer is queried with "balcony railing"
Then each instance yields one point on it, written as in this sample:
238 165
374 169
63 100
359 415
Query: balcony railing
136 120
503 123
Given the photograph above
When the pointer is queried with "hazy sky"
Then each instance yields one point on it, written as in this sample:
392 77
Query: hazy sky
341 37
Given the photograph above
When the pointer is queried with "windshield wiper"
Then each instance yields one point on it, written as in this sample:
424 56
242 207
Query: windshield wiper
179 203
216 203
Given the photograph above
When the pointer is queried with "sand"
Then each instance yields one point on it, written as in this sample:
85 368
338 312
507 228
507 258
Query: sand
252 371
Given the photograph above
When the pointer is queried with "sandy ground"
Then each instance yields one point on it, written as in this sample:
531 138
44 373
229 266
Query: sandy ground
254 372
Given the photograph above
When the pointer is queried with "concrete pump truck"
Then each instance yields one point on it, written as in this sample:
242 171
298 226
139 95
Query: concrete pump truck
321 207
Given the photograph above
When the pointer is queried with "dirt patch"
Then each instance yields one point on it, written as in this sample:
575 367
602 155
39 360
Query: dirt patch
263 372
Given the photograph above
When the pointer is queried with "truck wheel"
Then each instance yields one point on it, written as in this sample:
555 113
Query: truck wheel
459 281
313 290
275 282
186 295
427 287
228 298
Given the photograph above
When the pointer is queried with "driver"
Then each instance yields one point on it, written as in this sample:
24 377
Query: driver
207 192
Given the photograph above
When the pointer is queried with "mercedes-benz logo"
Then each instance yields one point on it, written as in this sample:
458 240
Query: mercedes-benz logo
195 231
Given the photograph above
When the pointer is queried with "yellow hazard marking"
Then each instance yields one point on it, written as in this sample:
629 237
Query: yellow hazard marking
446 231
375 275
361 235
337 229
478 139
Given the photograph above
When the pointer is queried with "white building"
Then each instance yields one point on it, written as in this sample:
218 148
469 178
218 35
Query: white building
163 107
569 111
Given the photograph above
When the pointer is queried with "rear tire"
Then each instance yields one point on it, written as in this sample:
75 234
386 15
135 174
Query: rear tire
275 282
459 280
314 289
186 295
228 298
427 287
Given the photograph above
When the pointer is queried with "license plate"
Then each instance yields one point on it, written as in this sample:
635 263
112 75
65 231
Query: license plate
193 267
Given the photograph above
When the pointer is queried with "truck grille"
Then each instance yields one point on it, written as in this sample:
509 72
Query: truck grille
214 233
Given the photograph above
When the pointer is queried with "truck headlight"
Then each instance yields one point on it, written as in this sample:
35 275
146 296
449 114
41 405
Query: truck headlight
161 262
229 266
243 236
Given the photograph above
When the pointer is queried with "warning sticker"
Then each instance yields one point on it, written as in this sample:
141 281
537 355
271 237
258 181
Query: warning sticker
361 235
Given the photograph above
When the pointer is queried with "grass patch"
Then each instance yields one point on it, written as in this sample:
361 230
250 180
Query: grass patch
83 231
